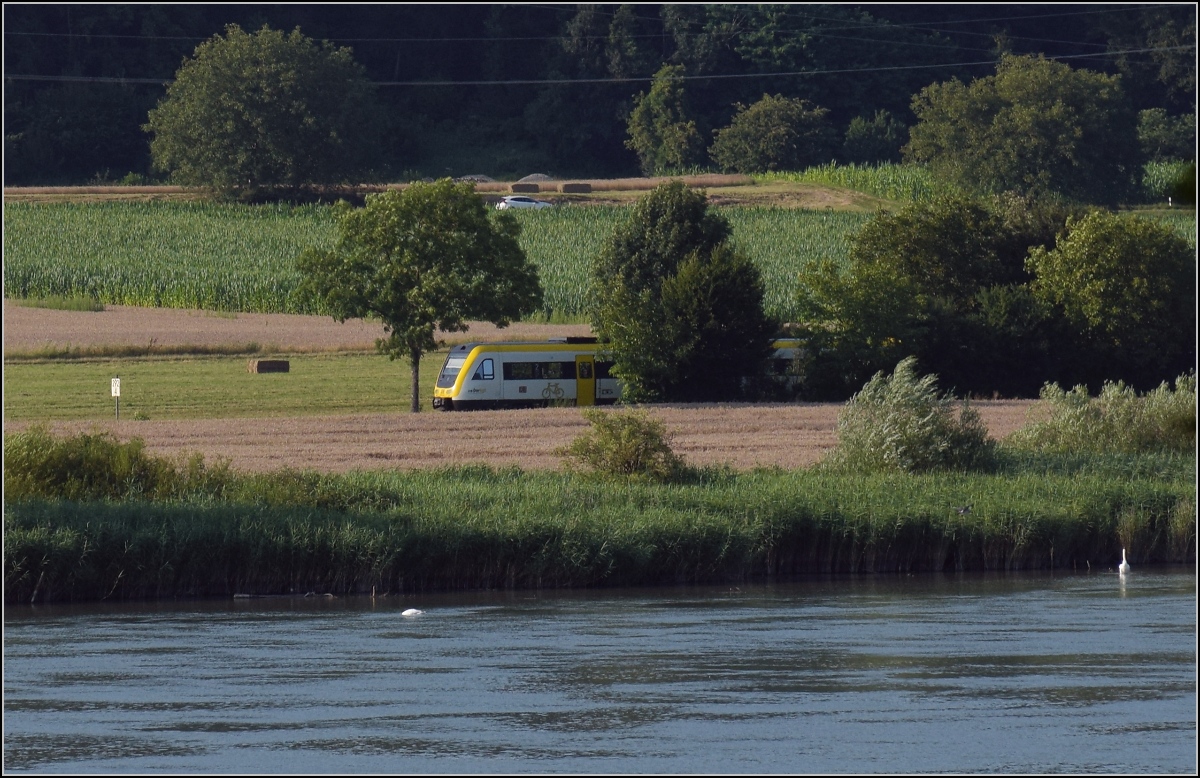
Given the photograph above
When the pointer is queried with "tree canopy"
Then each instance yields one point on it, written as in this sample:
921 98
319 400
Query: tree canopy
267 112
874 140
944 281
428 258
678 308
660 131
775 133
546 89
1036 127
1129 285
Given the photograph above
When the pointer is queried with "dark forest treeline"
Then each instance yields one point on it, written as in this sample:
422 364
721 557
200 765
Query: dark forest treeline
80 79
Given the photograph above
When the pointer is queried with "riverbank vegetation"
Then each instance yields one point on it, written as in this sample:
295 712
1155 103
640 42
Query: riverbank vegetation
89 517
295 532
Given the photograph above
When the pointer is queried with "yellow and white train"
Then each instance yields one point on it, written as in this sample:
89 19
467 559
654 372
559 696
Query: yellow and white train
566 371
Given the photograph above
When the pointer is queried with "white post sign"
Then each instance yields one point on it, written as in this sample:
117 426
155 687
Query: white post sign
116 393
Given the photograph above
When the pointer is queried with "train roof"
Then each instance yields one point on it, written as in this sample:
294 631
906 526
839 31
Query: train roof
517 344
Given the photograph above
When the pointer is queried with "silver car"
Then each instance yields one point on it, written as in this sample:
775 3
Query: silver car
520 201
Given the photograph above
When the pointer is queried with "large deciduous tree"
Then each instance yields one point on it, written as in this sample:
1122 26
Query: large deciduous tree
268 113
1035 127
424 259
1129 285
660 130
775 133
679 309
1165 138
942 280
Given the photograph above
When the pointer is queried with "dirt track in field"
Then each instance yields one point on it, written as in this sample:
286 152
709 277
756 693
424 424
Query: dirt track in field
742 436
30 329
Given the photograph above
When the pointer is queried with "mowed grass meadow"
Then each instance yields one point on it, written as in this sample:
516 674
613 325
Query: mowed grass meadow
207 387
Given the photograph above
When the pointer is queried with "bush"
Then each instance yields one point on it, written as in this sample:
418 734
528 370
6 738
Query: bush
940 280
900 423
1118 421
1183 188
99 467
624 444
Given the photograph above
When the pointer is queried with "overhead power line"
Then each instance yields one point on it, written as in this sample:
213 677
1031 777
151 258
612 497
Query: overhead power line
878 25
627 79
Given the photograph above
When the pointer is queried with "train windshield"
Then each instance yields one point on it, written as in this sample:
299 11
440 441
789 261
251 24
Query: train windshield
450 370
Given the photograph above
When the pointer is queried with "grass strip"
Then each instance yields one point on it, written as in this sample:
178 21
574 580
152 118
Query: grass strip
126 351
87 304
197 387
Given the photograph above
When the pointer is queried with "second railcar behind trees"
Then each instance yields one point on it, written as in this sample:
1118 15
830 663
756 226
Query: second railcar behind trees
567 371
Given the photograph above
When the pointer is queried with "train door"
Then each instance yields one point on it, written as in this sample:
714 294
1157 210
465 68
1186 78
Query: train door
585 379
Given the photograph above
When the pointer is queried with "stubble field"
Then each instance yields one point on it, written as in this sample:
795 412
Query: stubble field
742 436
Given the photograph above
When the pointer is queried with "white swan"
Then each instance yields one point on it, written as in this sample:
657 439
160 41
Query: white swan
412 612
1123 568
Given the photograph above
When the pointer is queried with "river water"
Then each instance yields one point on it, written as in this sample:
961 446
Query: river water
970 673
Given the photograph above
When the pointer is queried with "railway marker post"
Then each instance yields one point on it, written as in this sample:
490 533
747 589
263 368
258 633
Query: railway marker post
116 393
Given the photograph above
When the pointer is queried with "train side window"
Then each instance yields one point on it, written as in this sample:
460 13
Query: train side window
602 370
486 371
526 371
518 371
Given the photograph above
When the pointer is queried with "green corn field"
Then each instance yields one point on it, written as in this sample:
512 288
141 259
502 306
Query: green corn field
782 242
227 257
242 258
902 183
167 255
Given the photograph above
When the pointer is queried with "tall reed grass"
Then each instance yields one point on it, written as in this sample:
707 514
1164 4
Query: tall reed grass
477 527
1118 420
900 423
